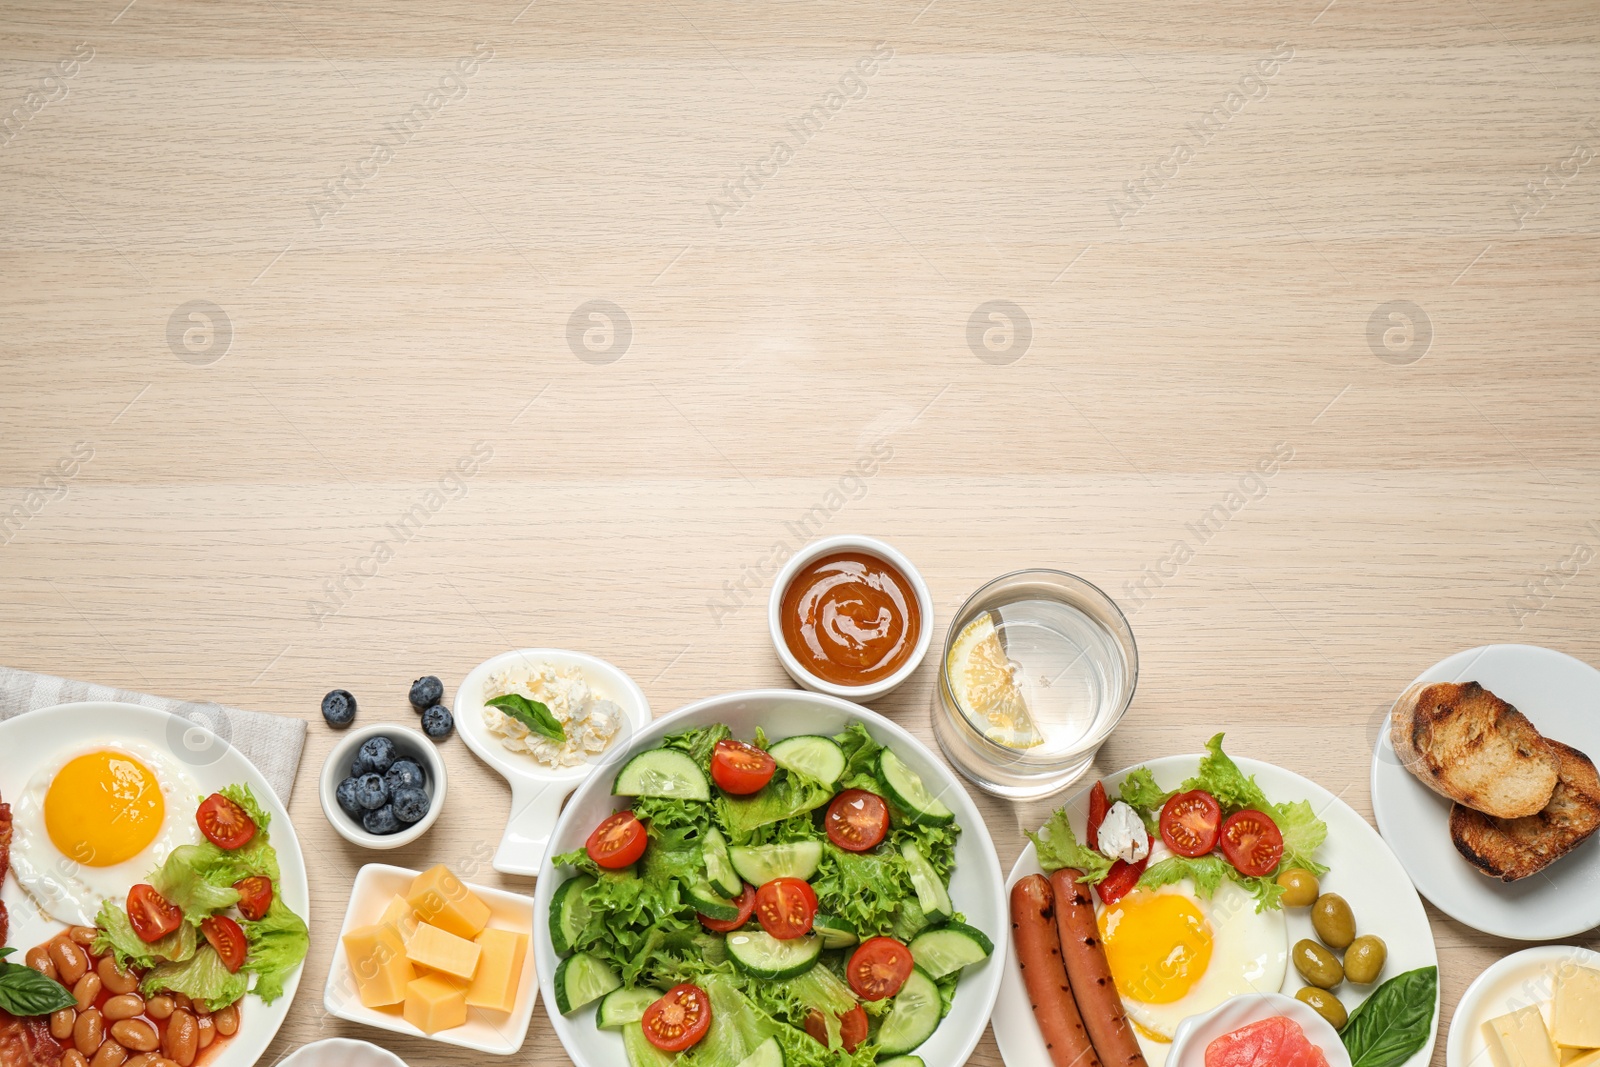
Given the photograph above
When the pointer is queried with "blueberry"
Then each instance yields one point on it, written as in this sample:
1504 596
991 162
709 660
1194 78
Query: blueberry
339 708
437 722
410 804
371 792
381 821
426 692
376 756
403 772
346 794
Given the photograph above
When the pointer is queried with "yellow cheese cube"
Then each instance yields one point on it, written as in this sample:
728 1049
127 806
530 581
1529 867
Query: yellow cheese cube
434 1003
378 962
499 970
1575 1019
437 950
400 916
441 899
1520 1040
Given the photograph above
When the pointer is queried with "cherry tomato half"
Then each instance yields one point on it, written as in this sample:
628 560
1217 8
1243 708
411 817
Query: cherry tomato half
1099 804
785 908
618 841
678 1019
224 823
878 968
152 917
857 820
227 937
852 1027
747 904
1252 842
1121 878
1191 823
255 896
739 768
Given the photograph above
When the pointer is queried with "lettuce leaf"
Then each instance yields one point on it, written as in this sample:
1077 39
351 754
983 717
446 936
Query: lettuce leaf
183 881
866 889
1303 833
116 936
787 795
1207 872
860 759
277 942
1140 792
699 743
1058 847
201 977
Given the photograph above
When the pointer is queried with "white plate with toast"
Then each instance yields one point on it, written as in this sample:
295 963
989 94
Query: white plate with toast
1360 868
1560 696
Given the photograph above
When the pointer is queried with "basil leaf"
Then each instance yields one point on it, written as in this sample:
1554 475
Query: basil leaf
1393 1023
24 991
532 714
6 950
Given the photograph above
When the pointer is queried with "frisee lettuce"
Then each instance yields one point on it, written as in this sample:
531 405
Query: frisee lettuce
1059 847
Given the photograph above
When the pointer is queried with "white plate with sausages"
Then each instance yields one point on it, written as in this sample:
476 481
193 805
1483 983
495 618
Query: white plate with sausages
1362 869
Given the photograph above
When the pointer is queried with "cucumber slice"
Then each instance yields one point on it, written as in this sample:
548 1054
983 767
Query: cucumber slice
812 755
907 791
758 953
719 868
931 893
582 978
641 1053
767 1054
950 948
569 913
662 772
760 864
709 903
913 1016
623 1006
902 1061
834 931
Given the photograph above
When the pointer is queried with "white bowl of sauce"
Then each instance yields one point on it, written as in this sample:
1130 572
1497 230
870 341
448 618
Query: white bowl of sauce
850 617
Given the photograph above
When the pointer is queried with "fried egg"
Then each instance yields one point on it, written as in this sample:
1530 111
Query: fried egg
1174 953
98 821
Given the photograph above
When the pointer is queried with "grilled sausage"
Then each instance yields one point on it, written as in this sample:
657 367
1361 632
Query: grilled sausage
1090 974
1038 946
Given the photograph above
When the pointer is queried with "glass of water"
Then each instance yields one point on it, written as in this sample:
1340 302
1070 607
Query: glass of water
1039 667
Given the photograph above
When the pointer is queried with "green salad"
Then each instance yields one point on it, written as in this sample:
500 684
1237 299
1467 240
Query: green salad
764 904
211 917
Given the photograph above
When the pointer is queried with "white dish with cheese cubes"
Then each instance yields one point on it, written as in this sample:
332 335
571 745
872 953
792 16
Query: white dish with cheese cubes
1536 1008
599 709
426 954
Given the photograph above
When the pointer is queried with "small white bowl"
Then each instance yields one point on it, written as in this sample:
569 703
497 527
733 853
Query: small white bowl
828 546
1189 1041
1518 980
341 1052
336 769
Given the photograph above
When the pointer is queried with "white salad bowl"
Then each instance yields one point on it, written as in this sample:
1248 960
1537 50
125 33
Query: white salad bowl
976 887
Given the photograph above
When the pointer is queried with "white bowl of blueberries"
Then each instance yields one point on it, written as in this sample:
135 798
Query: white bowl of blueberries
383 785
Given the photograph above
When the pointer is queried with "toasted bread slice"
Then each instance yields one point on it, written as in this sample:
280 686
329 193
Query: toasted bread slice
1510 849
1467 744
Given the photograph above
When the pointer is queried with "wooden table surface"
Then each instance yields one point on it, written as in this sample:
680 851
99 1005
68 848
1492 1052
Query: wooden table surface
276 272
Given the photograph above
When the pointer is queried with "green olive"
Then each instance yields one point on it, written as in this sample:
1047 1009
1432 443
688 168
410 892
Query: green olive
1324 1004
1364 959
1299 887
1316 964
1331 918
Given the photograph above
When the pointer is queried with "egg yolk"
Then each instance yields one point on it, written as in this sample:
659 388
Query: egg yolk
103 808
1157 945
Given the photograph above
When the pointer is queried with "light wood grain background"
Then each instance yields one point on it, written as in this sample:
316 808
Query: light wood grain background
1387 157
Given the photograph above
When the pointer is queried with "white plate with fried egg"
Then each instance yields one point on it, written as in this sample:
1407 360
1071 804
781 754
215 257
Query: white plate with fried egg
100 793
1248 951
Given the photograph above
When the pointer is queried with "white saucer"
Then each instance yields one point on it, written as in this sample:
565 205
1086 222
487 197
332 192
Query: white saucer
1521 979
1561 696
537 791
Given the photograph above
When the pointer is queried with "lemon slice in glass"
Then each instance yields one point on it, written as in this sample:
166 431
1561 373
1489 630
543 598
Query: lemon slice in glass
981 683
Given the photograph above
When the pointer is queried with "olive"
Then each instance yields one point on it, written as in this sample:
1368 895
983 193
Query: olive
1299 887
1364 959
1331 918
1316 964
1324 1004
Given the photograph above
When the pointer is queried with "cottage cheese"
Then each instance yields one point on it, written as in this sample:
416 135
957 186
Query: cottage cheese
592 722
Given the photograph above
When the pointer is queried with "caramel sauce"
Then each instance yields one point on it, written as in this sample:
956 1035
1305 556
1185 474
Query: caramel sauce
851 618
